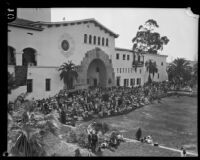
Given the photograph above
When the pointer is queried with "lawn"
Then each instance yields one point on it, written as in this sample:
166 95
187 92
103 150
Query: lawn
171 123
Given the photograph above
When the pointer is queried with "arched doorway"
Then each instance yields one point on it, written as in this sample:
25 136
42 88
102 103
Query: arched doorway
11 56
96 73
29 57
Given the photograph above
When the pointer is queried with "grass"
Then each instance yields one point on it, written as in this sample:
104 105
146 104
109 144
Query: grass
139 149
59 147
172 123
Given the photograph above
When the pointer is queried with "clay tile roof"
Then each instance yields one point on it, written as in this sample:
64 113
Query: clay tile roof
91 20
23 23
123 49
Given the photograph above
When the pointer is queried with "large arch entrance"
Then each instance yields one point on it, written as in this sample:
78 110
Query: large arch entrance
95 70
96 73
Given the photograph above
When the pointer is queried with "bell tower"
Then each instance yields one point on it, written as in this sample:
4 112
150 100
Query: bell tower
35 14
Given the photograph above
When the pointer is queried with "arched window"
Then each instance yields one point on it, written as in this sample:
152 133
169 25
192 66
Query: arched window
90 39
11 56
94 40
102 41
29 57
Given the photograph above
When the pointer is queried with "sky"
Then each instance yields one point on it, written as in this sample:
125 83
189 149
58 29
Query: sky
179 25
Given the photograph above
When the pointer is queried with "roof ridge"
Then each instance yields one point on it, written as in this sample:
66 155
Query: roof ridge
77 21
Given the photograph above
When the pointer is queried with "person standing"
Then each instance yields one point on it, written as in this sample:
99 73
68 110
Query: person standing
94 141
183 152
89 139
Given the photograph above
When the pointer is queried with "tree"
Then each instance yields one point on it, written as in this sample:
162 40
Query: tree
138 134
151 68
195 73
179 71
68 73
148 41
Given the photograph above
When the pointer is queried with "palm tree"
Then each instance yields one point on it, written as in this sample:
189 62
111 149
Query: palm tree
26 131
179 71
68 73
151 68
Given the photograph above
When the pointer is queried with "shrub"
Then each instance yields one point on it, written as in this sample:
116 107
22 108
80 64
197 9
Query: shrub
71 137
82 139
138 134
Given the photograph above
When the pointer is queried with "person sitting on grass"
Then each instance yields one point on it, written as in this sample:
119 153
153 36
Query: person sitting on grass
183 152
105 144
120 138
149 140
113 140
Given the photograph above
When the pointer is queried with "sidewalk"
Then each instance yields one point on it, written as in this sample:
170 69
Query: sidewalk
168 148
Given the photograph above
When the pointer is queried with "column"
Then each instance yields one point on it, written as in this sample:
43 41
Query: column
19 58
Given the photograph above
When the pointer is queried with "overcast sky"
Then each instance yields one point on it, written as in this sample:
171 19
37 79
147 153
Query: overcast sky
177 24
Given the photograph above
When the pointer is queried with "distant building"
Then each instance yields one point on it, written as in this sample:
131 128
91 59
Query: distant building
42 46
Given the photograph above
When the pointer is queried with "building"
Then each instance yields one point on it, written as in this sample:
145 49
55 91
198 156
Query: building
42 47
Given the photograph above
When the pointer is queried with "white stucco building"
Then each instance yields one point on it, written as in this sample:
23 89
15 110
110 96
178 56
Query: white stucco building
41 45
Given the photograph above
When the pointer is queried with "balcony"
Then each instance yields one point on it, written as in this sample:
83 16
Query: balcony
138 64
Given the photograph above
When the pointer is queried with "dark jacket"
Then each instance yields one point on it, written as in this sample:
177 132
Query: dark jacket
89 138
94 138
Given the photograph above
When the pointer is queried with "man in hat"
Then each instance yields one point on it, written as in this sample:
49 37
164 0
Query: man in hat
89 139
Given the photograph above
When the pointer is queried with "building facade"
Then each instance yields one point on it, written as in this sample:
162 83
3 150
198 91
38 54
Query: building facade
42 46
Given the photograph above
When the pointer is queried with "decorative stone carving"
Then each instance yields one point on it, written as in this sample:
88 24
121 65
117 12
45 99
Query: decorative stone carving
95 54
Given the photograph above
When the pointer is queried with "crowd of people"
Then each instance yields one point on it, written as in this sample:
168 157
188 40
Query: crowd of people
100 102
